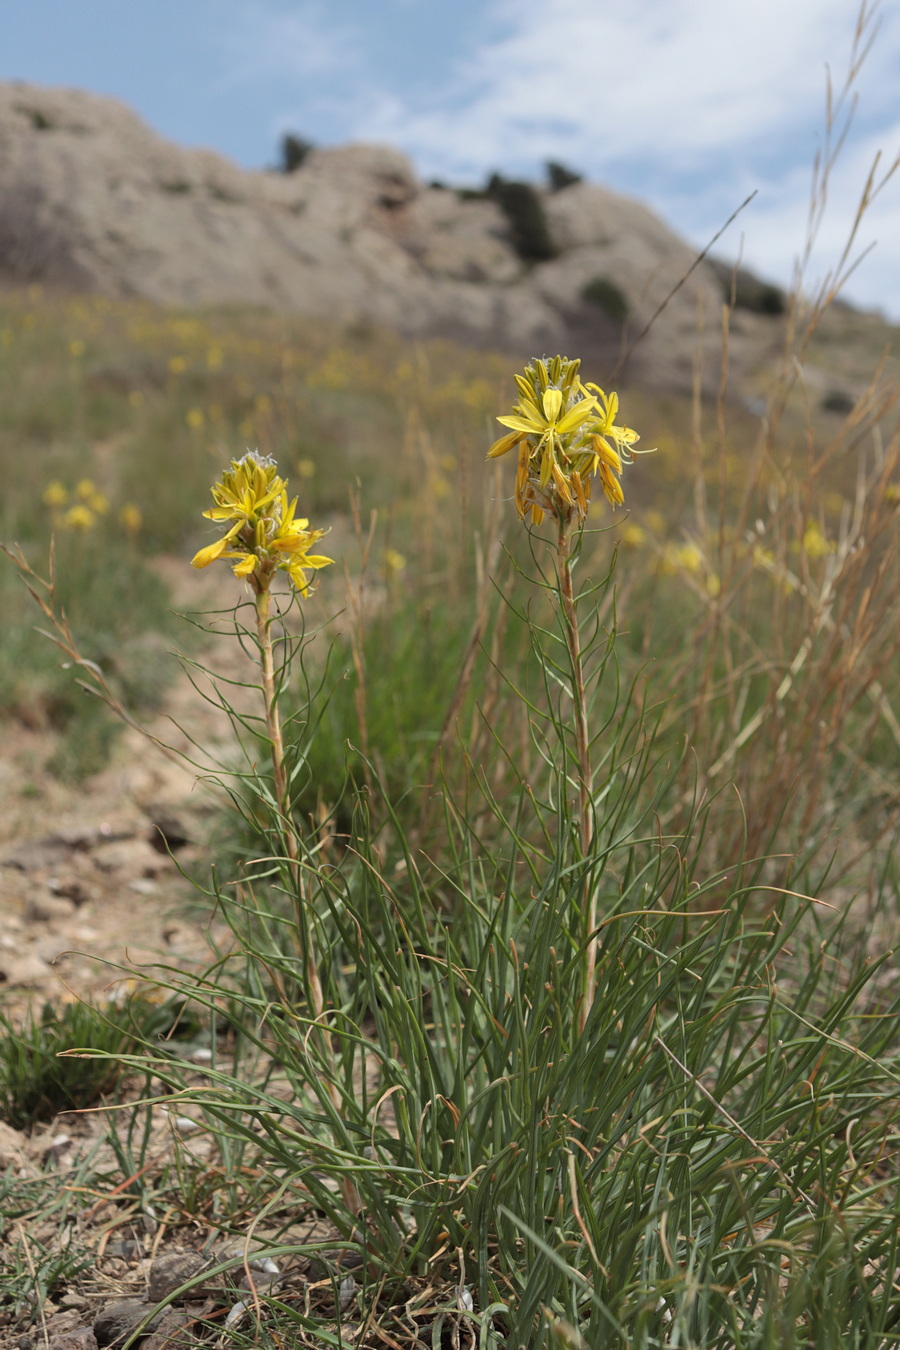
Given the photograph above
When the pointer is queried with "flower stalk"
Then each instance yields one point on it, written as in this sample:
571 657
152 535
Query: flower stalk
263 537
565 434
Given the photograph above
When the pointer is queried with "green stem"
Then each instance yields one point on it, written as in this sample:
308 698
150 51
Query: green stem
273 725
582 748
289 833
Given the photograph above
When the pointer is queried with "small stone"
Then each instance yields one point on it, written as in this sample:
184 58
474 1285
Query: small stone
81 1338
71 888
56 1147
169 833
169 1272
45 908
24 1343
170 1334
133 856
34 854
114 1323
128 1250
25 969
12 1144
62 1321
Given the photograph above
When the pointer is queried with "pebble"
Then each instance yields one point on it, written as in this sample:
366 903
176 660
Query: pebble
169 1272
23 970
81 1338
164 1337
70 888
46 908
62 1321
114 1323
12 1144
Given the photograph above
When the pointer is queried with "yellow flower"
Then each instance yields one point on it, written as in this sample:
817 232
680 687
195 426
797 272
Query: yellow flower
55 494
79 518
394 561
815 544
195 418
264 535
131 518
633 536
565 433
688 556
85 489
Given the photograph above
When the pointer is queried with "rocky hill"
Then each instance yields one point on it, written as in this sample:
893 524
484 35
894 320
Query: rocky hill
91 198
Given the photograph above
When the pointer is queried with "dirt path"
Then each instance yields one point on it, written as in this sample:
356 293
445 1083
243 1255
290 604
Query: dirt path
87 875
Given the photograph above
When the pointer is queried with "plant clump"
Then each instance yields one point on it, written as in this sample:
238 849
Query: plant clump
529 230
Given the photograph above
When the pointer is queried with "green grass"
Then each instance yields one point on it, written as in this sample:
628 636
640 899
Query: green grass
38 1081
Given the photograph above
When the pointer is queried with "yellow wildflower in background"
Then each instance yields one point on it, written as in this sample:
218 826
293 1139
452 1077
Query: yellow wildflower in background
132 519
88 494
565 433
264 536
55 494
394 562
634 536
815 543
79 517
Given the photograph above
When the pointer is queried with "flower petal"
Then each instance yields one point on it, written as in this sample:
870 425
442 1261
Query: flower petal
552 401
505 443
209 554
576 416
247 564
529 426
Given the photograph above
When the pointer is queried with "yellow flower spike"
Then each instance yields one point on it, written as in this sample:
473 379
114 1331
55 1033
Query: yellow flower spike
566 433
264 534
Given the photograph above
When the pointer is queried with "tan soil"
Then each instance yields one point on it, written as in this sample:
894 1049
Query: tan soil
86 882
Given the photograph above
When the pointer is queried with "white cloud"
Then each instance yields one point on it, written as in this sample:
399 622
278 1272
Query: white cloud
777 229
690 104
309 43
664 78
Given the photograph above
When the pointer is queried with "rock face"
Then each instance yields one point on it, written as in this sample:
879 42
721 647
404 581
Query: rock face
92 199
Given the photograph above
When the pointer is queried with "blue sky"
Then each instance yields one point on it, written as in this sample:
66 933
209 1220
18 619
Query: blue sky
687 104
